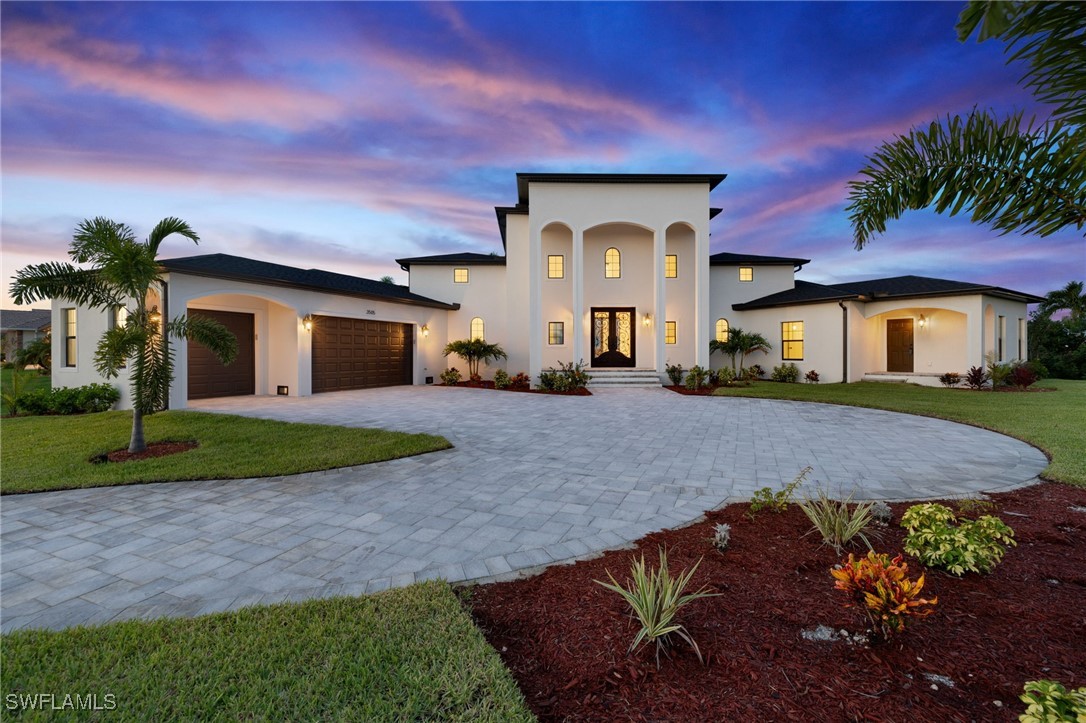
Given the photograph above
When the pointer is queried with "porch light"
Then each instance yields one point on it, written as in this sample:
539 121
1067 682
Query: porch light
648 319
425 330
307 322
155 317
923 322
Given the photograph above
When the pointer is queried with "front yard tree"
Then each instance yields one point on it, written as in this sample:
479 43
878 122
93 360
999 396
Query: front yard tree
120 268
474 351
1013 174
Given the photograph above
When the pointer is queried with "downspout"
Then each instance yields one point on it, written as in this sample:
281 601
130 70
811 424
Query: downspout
166 336
844 342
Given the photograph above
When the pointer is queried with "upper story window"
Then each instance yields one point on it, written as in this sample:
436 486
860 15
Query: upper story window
460 276
556 266
746 273
612 263
671 266
722 330
671 334
68 319
792 340
477 328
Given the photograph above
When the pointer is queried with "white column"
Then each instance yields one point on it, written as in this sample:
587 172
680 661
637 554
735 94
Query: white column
535 302
703 329
659 314
578 296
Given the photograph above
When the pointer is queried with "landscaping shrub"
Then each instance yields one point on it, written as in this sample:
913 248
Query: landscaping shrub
970 546
882 588
950 379
656 598
788 373
812 377
475 352
674 374
450 376
566 378
13 393
1048 701
520 381
501 379
70 400
722 535
1022 376
976 378
725 376
881 514
38 352
836 521
754 371
476 379
696 378
767 499
998 372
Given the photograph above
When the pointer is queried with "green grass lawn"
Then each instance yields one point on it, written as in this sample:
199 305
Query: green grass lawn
1052 421
51 453
411 654
34 381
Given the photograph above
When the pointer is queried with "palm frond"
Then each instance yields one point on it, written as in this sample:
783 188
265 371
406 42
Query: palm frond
1015 178
166 227
97 239
219 340
152 375
116 347
61 280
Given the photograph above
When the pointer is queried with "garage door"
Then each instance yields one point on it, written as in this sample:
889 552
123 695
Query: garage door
207 375
359 354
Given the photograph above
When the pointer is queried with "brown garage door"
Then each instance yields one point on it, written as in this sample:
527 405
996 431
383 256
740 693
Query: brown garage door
207 376
359 354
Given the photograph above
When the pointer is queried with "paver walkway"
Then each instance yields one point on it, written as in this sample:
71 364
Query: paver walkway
533 479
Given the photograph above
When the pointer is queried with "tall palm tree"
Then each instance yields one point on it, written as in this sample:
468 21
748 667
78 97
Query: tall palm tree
120 269
1071 297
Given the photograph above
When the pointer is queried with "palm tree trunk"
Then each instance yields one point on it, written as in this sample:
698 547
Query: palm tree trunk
137 443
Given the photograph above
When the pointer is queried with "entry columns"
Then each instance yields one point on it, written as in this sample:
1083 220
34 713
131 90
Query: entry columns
578 295
659 314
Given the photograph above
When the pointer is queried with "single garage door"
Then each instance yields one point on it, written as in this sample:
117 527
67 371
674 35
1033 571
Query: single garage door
359 354
208 377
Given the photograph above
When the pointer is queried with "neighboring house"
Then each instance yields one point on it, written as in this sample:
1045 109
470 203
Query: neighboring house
611 269
19 328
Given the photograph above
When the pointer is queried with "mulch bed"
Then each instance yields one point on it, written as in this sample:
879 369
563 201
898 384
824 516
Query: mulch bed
490 385
154 449
565 638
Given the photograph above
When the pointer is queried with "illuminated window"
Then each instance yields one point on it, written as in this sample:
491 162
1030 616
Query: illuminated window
118 317
556 266
612 264
556 333
671 266
477 328
792 340
68 315
460 276
722 330
746 273
669 332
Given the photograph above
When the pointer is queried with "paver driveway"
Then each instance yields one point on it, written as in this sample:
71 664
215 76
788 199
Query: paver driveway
533 479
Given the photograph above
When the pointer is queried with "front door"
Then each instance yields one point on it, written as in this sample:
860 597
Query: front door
899 345
613 337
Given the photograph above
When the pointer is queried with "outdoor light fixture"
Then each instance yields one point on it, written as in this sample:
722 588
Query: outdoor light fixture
307 322
282 391
648 319
155 316
923 322
425 330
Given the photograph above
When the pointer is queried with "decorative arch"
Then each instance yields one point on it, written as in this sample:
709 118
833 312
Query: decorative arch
722 330
612 263
478 328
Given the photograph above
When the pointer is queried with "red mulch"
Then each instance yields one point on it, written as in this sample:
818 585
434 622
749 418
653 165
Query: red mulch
154 449
565 638
490 385
680 389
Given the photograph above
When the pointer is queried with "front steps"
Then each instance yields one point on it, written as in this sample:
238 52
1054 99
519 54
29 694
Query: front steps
624 378
924 379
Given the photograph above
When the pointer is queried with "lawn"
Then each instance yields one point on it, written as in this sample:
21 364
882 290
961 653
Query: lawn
406 654
34 381
51 453
1052 421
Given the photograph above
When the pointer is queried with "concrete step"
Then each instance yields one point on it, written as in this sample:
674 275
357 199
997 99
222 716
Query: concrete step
624 378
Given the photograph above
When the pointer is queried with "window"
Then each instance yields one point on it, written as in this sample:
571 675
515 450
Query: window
556 266
556 333
746 273
722 330
68 316
671 266
792 340
477 328
460 276
670 334
1021 338
612 263
1002 336
118 317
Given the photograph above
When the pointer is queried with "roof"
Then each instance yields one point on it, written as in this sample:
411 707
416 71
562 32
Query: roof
27 320
238 268
729 259
451 259
804 292
915 286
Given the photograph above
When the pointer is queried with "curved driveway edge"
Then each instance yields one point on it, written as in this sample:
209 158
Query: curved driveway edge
532 480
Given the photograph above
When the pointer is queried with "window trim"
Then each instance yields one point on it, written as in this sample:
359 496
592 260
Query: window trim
671 331
456 271
70 319
617 263
727 330
785 341
746 268
482 328
562 266
560 327
671 263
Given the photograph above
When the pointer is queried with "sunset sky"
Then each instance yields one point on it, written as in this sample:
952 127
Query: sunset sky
344 135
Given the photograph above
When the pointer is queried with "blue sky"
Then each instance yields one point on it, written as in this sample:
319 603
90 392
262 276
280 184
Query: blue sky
344 135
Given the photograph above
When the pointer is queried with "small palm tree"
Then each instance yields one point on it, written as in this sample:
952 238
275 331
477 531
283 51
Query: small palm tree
474 351
739 344
1070 297
749 343
122 268
730 345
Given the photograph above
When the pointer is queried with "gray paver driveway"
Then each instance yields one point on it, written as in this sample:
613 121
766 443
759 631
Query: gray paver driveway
533 479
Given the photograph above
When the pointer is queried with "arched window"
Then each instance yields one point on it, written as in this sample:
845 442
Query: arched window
612 263
477 328
722 330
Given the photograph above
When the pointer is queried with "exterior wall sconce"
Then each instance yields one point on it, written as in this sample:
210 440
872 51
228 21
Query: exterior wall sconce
923 322
425 331
307 322
648 319
155 316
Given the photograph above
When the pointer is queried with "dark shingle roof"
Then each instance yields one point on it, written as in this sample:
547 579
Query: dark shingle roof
238 268
804 292
725 258
449 259
28 319
905 286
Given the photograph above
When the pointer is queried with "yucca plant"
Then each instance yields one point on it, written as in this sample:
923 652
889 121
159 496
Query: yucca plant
838 521
655 597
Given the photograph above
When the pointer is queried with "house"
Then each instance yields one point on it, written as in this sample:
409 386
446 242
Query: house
18 328
614 269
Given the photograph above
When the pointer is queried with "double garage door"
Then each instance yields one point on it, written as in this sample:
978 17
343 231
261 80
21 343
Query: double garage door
347 354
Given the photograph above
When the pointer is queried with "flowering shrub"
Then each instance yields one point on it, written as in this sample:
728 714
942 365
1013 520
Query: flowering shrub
812 377
476 379
950 379
970 546
785 373
882 587
754 371
450 376
520 381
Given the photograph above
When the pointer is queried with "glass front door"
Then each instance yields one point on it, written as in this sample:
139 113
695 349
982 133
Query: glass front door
613 337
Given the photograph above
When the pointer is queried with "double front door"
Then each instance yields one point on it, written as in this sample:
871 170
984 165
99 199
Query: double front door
613 337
